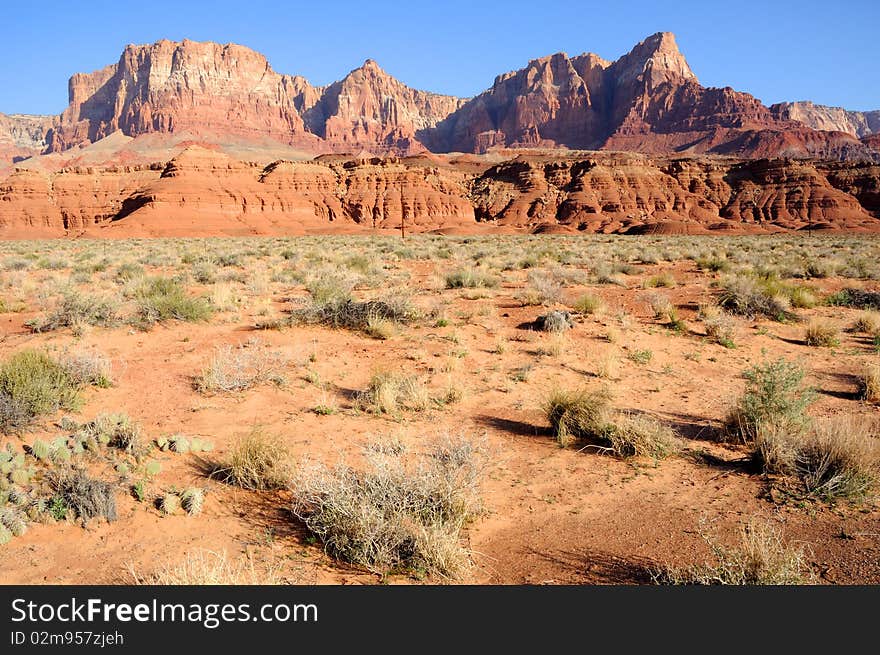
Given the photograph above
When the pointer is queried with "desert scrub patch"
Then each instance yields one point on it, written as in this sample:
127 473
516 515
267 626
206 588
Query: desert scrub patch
720 327
33 384
114 430
87 367
76 310
821 333
391 393
241 367
87 497
470 278
869 382
752 297
398 512
205 567
164 299
774 394
858 298
868 323
586 415
354 315
258 460
542 288
588 303
662 280
761 558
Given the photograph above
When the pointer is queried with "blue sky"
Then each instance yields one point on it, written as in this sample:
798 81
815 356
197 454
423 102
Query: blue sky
777 50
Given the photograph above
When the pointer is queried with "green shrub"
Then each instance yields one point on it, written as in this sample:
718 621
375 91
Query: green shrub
469 278
75 310
163 299
773 394
33 384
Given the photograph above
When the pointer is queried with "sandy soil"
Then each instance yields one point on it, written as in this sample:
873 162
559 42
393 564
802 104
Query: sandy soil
553 515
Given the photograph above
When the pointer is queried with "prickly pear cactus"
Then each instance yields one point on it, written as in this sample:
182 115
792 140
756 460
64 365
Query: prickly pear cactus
170 503
192 500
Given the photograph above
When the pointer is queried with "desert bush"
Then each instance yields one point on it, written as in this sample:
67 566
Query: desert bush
821 333
470 278
660 305
390 393
257 461
542 288
164 299
761 558
237 368
33 384
747 296
858 298
88 497
205 567
76 310
720 327
354 315
665 280
396 514
803 297
774 394
588 304
331 287
87 367
555 321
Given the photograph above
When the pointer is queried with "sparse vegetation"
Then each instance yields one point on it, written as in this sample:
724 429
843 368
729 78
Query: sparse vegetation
238 368
257 460
33 384
396 514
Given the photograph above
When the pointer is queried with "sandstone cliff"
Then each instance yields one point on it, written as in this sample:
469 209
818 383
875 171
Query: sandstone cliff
202 192
835 119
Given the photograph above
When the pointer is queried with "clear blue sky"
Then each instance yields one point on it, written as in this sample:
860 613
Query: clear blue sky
777 49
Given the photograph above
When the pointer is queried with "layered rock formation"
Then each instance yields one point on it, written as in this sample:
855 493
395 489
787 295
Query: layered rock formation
835 119
647 101
202 192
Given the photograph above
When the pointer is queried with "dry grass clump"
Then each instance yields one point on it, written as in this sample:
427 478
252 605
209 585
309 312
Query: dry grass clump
586 415
773 395
840 458
822 333
390 393
761 558
237 368
76 310
869 384
87 497
399 512
205 567
868 322
257 461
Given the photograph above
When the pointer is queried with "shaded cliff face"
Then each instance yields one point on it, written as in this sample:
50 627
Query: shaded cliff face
203 193
23 136
836 119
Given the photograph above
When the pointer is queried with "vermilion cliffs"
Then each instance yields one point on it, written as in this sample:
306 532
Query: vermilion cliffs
201 138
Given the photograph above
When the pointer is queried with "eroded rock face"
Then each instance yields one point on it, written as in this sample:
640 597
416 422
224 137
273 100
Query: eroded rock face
203 192
647 101
22 136
834 119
